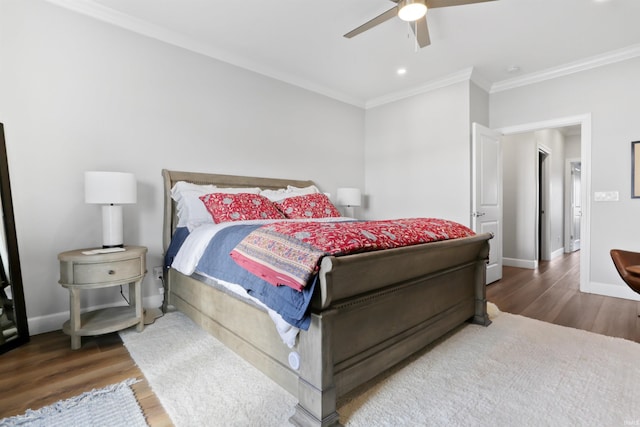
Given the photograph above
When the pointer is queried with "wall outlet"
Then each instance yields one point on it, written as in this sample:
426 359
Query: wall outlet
157 273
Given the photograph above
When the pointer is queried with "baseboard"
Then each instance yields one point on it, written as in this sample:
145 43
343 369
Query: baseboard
520 263
557 253
53 322
610 290
48 323
529 263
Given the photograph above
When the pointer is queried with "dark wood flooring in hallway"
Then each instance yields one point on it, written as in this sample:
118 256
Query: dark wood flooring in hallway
551 293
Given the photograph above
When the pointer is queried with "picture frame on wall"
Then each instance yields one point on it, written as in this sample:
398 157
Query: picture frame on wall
635 169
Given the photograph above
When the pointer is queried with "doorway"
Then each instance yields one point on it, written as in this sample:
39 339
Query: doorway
534 196
575 129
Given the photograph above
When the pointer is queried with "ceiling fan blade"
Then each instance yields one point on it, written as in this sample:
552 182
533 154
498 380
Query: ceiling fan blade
391 13
446 3
421 31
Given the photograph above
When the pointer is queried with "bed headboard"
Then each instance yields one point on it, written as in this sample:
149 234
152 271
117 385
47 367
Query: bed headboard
171 177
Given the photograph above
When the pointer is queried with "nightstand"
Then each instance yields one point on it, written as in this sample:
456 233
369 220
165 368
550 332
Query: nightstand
81 272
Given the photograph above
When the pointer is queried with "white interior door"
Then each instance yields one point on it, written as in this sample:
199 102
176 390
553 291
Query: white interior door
486 193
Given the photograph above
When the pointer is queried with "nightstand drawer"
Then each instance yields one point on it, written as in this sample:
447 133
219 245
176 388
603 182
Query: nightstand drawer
106 272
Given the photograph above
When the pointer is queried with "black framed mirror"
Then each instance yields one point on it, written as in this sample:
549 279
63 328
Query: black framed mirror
635 169
14 329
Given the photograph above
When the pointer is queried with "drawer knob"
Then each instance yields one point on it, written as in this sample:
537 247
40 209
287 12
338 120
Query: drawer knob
112 272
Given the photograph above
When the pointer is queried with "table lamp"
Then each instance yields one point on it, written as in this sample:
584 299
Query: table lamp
110 189
348 197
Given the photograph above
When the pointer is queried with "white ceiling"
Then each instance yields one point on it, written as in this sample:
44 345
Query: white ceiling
301 41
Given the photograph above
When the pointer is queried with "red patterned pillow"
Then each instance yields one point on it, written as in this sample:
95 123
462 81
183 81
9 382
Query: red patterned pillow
225 207
315 205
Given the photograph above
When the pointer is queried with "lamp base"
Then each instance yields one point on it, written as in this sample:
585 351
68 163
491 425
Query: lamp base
112 229
349 211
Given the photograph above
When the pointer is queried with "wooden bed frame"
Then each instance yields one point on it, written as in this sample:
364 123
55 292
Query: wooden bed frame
369 312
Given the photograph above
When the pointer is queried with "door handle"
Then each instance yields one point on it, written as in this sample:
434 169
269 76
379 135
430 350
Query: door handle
477 214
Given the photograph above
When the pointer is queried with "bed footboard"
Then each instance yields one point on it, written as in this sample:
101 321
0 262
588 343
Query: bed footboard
377 309
368 315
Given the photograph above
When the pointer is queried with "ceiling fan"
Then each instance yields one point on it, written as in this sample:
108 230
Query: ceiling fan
414 12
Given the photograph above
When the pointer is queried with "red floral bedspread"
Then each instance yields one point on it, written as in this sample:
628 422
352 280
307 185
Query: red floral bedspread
289 253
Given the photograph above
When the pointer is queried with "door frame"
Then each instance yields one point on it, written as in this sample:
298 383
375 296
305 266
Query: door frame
543 222
584 120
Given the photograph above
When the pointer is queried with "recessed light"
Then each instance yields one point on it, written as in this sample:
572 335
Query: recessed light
402 71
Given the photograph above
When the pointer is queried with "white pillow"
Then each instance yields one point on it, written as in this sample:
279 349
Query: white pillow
181 186
303 190
190 210
238 190
290 191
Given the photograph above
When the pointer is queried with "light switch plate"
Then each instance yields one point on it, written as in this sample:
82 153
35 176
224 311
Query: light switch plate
605 196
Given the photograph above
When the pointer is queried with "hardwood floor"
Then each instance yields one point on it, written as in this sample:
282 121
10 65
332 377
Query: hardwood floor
46 369
551 293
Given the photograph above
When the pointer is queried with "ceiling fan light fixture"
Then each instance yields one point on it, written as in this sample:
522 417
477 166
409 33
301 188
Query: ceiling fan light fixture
411 10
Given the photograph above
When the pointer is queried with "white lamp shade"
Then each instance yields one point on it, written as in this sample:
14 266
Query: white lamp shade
110 188
348 197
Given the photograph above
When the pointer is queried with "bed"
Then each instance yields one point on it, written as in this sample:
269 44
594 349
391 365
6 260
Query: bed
368 312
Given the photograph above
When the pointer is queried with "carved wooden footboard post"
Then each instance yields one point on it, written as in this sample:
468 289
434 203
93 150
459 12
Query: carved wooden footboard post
481 317
316 389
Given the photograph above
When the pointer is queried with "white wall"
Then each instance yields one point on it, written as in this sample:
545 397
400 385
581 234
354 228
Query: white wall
417 156
479 105
519 155
77 95
572 146
609 94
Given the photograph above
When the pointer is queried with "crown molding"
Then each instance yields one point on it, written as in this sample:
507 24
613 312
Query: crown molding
612 57
113 17
453 78
139 26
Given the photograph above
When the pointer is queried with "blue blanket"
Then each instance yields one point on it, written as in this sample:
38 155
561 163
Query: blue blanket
177 240
292 305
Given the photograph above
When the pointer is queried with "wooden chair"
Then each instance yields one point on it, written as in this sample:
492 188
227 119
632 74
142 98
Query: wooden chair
628 265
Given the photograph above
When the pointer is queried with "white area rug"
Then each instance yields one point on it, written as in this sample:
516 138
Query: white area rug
115 405
517 371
